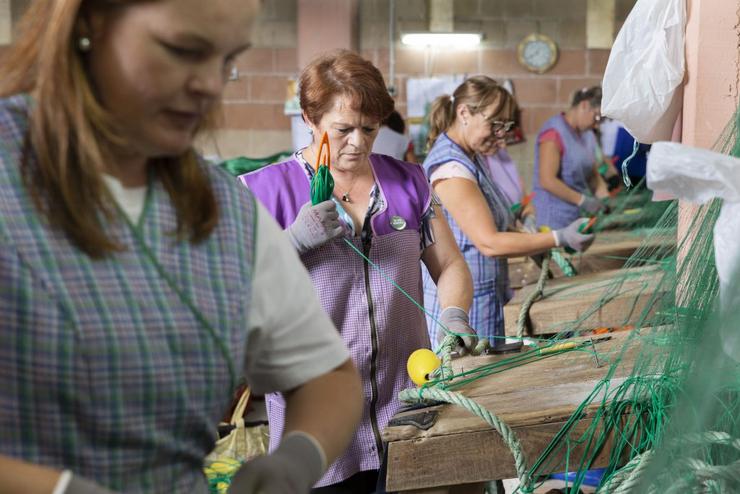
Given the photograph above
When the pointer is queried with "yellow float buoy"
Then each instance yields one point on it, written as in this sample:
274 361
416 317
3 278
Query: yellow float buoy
421 364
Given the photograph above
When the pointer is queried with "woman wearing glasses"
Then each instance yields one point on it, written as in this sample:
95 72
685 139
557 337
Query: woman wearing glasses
565 165
463 128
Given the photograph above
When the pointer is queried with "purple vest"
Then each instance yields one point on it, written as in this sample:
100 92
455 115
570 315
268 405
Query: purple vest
505 175
380 326
576 167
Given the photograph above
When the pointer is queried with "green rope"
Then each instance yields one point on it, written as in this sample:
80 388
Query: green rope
521 321
425 394
564 264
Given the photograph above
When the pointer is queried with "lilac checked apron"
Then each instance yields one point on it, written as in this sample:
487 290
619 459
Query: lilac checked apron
380 326
490 274
576 167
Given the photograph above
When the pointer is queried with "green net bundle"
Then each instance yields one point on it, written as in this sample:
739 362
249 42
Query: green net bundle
242 164
669 424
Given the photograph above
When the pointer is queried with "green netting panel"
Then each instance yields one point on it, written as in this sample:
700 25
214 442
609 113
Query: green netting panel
242 165
672 424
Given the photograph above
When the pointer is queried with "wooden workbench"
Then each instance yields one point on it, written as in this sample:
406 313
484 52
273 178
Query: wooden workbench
610 250
535 400
593 300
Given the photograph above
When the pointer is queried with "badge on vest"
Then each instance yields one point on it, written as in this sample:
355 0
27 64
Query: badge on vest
398 223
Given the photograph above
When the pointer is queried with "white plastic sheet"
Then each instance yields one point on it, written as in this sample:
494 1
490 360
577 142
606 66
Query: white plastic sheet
698 175
643 80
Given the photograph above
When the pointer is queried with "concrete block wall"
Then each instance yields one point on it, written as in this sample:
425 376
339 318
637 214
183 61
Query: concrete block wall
254 124
253 121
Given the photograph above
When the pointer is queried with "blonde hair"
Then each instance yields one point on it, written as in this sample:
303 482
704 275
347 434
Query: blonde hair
477 92
69 129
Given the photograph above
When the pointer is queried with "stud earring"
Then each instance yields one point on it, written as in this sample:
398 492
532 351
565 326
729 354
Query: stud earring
84 44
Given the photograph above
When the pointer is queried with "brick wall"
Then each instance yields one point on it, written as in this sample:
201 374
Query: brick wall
254 123
504 23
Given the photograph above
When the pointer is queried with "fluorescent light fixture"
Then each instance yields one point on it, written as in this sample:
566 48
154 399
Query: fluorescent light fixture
449 40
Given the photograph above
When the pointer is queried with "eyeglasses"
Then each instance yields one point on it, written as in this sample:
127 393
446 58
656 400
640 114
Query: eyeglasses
499 127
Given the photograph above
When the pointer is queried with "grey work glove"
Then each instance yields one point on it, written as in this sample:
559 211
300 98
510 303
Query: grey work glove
314 226
81 485
293 468
571 237
456 321
591 205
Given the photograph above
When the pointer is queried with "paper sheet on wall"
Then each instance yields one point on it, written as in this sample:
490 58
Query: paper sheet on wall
420 92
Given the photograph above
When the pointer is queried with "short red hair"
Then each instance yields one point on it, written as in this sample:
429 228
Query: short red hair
344 73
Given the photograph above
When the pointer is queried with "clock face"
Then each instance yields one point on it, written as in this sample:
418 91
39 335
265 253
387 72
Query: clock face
537 53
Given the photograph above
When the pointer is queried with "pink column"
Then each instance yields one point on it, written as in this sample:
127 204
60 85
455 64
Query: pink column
712 57
325 25
713 71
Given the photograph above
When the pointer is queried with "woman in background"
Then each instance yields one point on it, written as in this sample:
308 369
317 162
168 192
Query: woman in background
566 177
464 127
392 139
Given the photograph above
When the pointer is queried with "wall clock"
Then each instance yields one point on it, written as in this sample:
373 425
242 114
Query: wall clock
537 52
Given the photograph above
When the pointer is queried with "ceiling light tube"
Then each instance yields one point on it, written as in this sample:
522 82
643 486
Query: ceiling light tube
450 40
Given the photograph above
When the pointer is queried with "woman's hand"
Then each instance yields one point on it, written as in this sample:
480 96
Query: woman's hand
314 226
456 322
570 236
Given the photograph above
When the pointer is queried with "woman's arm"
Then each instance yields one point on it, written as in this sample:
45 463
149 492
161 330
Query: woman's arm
313 408
549 169
28 478
20 476
597 183
465 202
447 266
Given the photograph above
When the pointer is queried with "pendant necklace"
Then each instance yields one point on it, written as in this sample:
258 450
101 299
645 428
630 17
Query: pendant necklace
345 196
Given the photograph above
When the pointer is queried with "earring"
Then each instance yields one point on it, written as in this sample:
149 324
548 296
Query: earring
84 44
465 122
310 131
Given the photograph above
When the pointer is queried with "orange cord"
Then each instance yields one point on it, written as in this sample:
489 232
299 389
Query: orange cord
327 160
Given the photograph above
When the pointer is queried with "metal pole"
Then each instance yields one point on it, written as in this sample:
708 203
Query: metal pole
391 47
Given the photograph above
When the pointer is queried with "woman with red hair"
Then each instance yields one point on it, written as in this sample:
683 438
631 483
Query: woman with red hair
382 212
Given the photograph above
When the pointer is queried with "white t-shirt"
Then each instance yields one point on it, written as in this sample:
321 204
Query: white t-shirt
451 169
291 339
391 143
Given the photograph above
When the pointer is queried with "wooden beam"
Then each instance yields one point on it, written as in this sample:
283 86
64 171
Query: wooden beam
441 16
610 250
535 400
6 22
606 299
600 24
475 457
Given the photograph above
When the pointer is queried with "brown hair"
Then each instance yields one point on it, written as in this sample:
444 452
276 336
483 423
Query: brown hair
590 94
69 131
343 73
477 92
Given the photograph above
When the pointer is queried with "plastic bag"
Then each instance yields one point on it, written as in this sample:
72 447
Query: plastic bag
642 84
241 444
698 175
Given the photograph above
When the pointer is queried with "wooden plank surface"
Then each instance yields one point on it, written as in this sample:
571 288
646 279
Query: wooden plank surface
544 391
535 400
610 250
605 299
475 457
